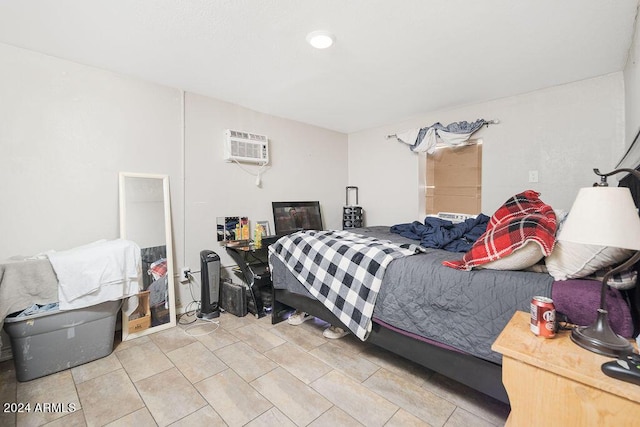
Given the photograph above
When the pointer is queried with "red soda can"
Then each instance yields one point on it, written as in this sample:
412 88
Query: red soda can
543 317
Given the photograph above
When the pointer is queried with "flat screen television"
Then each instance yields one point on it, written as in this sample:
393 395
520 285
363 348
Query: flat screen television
289 217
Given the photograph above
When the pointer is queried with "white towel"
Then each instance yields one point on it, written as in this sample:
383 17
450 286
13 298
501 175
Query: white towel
428 143
101 271
453 139
103 293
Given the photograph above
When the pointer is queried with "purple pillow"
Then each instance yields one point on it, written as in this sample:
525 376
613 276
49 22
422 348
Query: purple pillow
579 300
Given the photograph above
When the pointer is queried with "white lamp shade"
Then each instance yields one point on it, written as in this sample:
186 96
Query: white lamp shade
603 216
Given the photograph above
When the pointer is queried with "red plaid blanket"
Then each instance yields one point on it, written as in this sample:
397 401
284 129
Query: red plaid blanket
522 218
158 269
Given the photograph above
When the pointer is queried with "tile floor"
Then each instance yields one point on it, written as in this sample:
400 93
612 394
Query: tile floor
246 371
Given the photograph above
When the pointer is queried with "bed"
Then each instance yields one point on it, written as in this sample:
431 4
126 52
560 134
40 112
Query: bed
447 319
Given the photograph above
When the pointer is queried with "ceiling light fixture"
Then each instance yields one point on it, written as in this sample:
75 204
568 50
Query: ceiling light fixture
320 39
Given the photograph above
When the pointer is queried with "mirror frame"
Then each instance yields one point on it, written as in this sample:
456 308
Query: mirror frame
169 248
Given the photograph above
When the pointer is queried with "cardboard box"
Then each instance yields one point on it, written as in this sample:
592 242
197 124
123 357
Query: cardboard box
454 180
140 319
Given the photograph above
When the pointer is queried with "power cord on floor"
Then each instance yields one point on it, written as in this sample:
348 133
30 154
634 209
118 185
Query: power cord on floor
193 313
188 311
196 324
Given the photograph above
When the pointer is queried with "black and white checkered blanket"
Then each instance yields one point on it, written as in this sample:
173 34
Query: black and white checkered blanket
342 270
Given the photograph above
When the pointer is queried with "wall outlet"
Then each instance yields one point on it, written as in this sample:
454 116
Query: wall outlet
184 275
533 176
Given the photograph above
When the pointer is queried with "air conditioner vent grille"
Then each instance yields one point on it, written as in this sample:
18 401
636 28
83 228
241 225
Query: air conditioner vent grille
454 216
246 147
247 135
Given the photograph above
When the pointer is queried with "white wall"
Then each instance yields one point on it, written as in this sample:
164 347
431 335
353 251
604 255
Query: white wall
562 132
307 163
66 130
632 91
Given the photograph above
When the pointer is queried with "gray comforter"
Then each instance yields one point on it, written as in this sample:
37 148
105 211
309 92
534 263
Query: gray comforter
462 309
24 282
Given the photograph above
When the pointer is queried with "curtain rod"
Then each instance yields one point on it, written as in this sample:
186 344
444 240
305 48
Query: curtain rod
487 123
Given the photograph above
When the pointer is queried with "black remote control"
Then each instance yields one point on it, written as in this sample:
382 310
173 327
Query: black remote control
627 368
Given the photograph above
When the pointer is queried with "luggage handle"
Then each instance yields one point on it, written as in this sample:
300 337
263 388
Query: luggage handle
347 194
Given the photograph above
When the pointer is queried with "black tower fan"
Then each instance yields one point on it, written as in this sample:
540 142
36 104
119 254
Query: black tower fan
210 286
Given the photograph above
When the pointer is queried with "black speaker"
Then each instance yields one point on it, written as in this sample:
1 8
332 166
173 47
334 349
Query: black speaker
210 286
233 299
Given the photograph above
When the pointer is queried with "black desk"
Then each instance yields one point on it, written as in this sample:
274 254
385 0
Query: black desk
253 270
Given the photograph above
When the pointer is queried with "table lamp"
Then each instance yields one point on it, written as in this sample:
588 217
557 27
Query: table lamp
604 216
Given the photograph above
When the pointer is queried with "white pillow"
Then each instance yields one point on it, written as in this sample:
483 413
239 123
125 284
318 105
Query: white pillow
529 254
574 260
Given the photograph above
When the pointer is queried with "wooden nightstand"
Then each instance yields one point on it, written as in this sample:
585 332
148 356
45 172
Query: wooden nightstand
555 382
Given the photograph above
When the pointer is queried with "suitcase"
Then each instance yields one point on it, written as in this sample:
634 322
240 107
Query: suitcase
233 299
352 215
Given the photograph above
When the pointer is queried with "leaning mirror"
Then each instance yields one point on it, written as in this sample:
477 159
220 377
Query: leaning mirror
145 218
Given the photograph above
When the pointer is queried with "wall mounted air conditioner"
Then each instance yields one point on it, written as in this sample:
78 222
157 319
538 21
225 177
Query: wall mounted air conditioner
454 216
245 147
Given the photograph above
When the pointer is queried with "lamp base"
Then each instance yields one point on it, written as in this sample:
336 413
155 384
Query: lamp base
600 338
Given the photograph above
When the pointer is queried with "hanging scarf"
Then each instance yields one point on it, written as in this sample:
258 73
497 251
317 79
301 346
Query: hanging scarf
426 139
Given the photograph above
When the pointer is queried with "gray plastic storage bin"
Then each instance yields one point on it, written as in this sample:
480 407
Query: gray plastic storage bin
53 341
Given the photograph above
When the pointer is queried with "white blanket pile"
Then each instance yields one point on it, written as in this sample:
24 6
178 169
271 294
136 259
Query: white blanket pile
105 270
